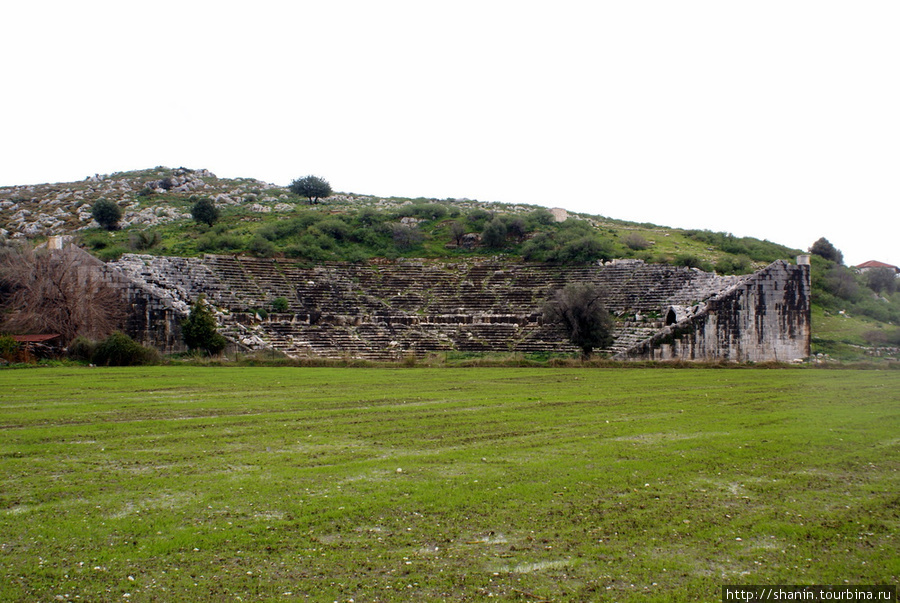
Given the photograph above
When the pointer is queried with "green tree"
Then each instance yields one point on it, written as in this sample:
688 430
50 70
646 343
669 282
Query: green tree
579 308
204 211
881 280
494 234
823 248
311 187
107 214
200 331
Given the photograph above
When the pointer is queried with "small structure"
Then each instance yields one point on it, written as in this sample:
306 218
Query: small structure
873 264
44 345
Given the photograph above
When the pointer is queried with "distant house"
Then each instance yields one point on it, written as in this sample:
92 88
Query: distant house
871 264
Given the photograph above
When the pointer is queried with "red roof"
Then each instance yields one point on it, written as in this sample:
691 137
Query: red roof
875 264
35 338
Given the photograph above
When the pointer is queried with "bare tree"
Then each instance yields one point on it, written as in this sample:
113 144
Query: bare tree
57 291
579 308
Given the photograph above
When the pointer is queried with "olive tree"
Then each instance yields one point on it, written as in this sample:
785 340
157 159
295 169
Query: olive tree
204 211
107 214
311 187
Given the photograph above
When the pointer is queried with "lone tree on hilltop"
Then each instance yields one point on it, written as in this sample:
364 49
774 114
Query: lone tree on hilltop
311 187
204 211
107 213
199 330
823 248
579 308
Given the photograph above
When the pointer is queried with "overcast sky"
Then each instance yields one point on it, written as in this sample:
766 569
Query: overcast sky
773 119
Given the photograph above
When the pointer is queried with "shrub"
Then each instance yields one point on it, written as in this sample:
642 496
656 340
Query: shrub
881 280
478 218
516 227
734 265
635 242
539 217
9 348
204 211
82 349
689 261
280 304
140 240
494 234
261 247
406 237
541 248
423 211
121 350
107 214
584 250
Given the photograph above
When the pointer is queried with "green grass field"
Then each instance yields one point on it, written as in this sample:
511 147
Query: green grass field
281 484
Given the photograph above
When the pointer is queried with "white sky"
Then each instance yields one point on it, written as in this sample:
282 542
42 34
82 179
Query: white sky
777 119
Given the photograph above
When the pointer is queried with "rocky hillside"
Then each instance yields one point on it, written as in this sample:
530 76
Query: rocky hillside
63 208
268 221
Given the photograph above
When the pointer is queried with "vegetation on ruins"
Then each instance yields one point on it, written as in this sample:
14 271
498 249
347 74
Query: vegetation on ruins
175 483
311 187
579 308
200 331
265 220
53 292
107 214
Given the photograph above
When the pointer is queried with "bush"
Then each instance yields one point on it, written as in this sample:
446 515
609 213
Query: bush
584 250
635 242
691 261
280 304
107 214
406 237
423 211
261 247
82 349
121 350
140 240
494 234
9 348
539 217
881 280
734 265
204 211
539 248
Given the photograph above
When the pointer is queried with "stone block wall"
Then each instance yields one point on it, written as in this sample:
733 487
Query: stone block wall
385 310
763 318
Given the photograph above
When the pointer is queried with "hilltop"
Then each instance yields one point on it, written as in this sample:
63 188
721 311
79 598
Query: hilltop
266 220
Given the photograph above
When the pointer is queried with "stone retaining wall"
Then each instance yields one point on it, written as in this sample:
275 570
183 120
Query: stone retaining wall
386 310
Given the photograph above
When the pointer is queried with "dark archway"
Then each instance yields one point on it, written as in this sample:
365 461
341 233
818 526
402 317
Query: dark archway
671 317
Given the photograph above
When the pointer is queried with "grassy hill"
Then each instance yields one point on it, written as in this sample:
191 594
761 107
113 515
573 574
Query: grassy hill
265 220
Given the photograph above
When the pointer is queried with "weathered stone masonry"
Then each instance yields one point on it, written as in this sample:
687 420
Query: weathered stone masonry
387 310
764 318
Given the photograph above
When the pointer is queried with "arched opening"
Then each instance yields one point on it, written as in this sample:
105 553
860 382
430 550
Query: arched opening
671 317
